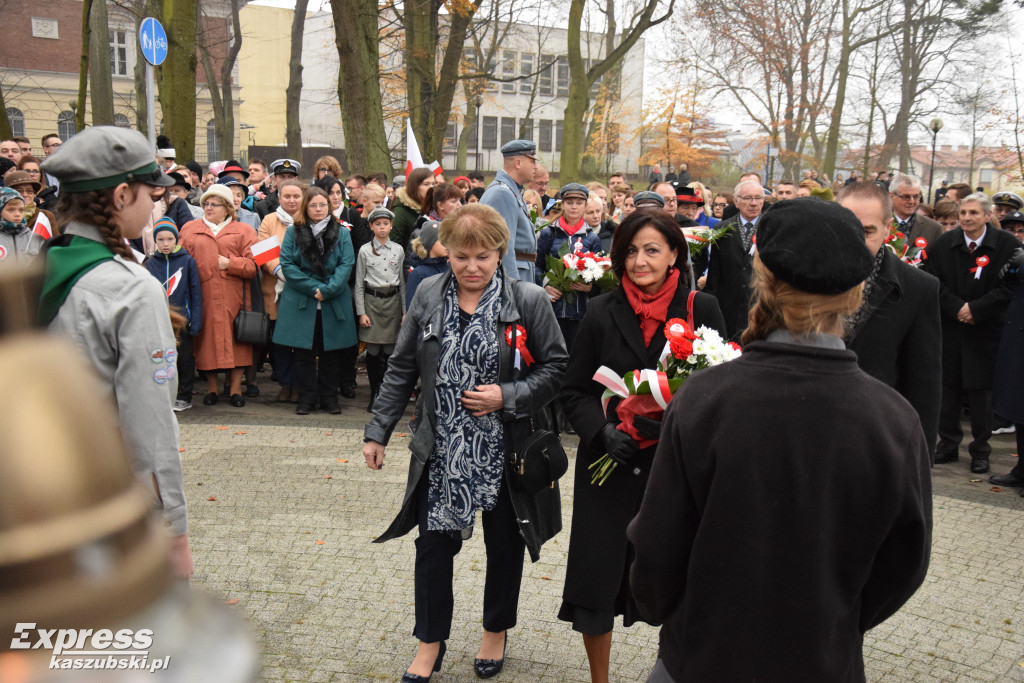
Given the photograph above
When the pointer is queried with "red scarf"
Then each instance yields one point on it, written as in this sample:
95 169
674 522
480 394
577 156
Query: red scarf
569 230
652 309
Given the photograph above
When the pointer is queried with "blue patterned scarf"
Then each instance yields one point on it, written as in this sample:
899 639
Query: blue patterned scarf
466 467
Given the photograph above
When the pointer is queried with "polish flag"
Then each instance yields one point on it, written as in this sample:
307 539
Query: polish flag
267 250
413 157
43 227
173 282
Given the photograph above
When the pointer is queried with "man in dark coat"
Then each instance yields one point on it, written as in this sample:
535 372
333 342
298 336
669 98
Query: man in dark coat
905 191
729 272
1007 399
973 300
896 332
282 170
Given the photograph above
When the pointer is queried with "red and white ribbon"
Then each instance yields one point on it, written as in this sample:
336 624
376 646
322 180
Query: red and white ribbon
980 262
658 382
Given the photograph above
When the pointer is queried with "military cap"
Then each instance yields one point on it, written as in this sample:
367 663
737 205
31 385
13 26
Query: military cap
526 148
380 212
1012 217
573 190
815 246
279 166
102 157
1011 198
164 147
648 198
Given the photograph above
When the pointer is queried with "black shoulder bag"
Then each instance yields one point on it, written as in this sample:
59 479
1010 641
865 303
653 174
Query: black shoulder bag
252 327
539 461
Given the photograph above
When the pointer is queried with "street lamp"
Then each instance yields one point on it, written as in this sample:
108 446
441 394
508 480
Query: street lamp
477 101
935 126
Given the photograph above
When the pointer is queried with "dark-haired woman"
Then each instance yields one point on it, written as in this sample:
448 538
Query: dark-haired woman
315 315
97 295
410 202
624 331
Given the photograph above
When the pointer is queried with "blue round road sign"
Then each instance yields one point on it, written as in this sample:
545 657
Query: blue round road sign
153 41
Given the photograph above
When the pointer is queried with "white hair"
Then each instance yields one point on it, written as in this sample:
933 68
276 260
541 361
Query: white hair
736 190
981 198
899 180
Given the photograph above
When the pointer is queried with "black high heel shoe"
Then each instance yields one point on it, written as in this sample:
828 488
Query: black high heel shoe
416 678
488 668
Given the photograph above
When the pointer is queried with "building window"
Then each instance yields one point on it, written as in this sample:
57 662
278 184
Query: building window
65 125
544 137
212 147
526 72
559 127
490 140
547 75
562 76
508 70
508 129
985 175
525 129
449 136
121 121
118 53
17 119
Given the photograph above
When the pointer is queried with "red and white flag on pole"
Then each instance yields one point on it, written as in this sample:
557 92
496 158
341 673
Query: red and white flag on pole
413 157
173 282
43 227
266 250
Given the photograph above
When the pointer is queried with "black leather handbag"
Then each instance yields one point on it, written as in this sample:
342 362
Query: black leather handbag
252 327
539 461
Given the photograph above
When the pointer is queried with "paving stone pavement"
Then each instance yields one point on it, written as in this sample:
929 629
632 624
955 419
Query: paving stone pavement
283 512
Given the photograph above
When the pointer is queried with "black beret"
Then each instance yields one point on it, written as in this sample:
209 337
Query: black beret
814 245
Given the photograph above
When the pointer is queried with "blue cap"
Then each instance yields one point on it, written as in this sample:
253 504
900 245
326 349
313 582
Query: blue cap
648 197
519 148
573 190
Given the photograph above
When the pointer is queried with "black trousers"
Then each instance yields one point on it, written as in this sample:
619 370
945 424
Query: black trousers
186 367
281 360
568 326
950 433
347 358
435 559
1018 468
312 381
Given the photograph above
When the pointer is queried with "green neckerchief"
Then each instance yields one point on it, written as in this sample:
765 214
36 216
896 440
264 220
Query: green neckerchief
64 266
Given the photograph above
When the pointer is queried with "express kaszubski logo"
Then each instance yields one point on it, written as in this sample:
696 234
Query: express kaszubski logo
84 648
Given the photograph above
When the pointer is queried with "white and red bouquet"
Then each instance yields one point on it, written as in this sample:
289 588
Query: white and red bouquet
646 393
699 239
578 266
911 254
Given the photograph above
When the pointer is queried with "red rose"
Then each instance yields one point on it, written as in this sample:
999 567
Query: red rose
681 348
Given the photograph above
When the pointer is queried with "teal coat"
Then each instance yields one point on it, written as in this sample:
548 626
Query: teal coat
306 269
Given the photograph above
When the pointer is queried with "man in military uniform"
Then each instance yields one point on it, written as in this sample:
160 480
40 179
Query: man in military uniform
505 195
282 169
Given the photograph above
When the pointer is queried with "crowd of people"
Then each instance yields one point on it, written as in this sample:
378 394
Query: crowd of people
847 298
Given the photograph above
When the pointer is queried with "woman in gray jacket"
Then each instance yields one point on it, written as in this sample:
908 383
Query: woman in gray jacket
480 394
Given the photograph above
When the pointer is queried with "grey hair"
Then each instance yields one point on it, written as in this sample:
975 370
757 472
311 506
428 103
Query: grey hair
981 198
736 190
903 179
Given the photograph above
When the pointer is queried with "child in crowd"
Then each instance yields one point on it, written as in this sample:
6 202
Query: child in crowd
379 296
430 258
183 292
18 243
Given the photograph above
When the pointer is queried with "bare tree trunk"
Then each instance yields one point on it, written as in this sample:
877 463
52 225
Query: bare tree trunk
356 31
177 75
5 123
101 89
293 129
83 66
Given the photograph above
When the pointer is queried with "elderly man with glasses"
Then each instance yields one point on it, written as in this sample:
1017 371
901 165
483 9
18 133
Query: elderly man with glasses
729 270
905 191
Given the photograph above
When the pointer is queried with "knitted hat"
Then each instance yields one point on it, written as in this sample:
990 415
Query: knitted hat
165 224
815 246
380 212
7 195
221 191
428 234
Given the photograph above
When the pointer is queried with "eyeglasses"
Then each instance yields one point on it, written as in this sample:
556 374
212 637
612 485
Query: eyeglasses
751 199
908 197
52 145
670 200
318 205
719 205
31 172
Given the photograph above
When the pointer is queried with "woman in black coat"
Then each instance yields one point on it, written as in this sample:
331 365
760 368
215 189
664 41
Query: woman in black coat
778 579
625 331
1007 399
